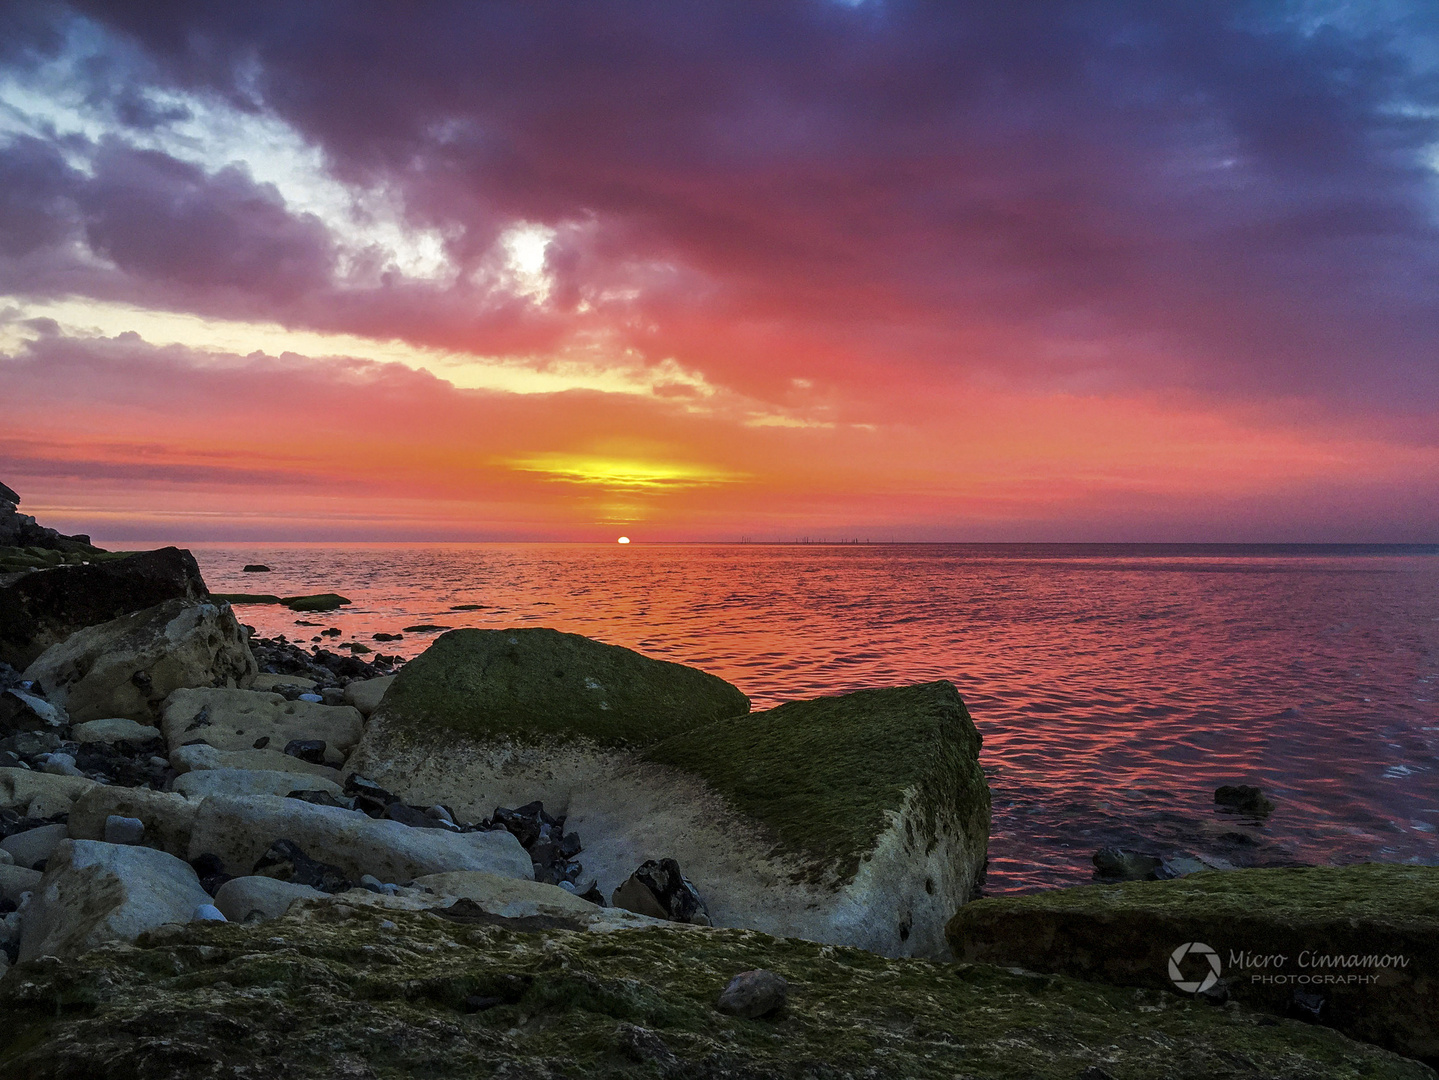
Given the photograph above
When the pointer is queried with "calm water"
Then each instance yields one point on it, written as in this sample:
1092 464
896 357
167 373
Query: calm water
1115 686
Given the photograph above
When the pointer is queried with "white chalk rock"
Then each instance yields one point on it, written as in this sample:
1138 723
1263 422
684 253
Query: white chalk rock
167 817
128 666
93 892
240 829
34 845
113 729
203 756
244 898
206 782
39 794
238 719
365 694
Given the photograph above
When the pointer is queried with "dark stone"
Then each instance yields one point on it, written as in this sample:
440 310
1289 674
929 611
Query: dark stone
659 886
28 744
126 763
408 815
570 845
1121 864
256 568
285 861
387 637
753 994
41 608
1244 798
22 711
311 750
210 871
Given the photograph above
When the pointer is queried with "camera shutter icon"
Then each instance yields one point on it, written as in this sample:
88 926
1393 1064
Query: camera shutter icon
1193 948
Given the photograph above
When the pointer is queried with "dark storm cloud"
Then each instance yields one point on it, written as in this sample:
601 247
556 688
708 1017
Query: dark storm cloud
1225 195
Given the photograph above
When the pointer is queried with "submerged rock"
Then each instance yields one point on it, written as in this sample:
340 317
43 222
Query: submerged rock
1368 936
128 667
1245 798
1122 864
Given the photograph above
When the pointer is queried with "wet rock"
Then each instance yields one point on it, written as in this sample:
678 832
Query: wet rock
753 994
285 860
1245 799
43 609
255 898
1122 864
1181 866
659 889
205 782
123 830
129 666
311 750
93 892
168 817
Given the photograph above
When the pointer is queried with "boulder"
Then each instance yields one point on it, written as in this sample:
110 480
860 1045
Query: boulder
15 880
93 892
660 890
859 820
33 846
112 730
38 794
267 682
168 817
43 609
128 667
365 694
240 830
317 602
511 898
241 719
205 782
1364 939
199 756
753 994
245 899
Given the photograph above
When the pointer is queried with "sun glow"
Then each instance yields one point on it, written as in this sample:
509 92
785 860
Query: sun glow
623 474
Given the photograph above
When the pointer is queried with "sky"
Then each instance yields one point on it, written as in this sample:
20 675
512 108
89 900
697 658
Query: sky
1082 270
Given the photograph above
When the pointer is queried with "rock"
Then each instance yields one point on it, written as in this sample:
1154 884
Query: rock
332 695
168 818
235 598
511 898
425 628
256 568
6 859
753 994
1244 798
859 820
123 830
239 830
33 845
43 609
203 756
15 880
7 494
239 719
94 892
129 666
206 782
284 860
21 711
312 750
660 890
319 602
365 694
114 729
268 682
252 898
60 765
1124 865
32 792
207 913
1181 866
1128 934
31 744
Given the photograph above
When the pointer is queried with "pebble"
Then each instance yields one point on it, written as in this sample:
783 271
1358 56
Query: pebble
316 698
60 765
123 830
208 913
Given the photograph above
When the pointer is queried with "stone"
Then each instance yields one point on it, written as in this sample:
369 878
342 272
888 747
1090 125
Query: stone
129 666
93 892
1128 934
234 598
114 729
200 756
29 791
207 913
1244 798
31 744
123 830
59 765
33 845
312 750
206 782
252 898
22 711
256 568
1124 865
268 682
512 898
318 602
856 820
239 719
168 818
239 830
660 890
43 609
365 694
285 860
16 880
6 859
753 994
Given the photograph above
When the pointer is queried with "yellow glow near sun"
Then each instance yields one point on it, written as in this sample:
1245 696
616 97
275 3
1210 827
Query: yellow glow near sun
623 474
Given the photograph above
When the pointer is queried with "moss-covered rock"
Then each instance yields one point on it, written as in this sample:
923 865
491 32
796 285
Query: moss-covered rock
336 991
539 684
1364 939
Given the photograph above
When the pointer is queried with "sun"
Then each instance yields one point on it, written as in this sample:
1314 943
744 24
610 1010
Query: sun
623 540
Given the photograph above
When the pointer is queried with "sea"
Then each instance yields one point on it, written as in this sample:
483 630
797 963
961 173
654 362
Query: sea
1115 686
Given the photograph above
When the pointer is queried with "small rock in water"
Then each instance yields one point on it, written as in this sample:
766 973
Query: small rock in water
1124 865
256 568
1245 798
311 750
660 890
1180 866
424 628
123 830
753 994
208 913
387 637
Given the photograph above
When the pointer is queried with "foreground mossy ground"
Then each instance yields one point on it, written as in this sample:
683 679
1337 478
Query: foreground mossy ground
822 775
335 991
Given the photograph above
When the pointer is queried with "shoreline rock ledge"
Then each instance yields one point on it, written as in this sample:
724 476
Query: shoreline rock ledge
856 820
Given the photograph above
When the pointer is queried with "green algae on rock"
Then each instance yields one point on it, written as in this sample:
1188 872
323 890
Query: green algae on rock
331 990
540 684
1363 938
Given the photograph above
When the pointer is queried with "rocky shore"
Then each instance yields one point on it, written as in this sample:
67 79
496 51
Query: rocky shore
526 853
